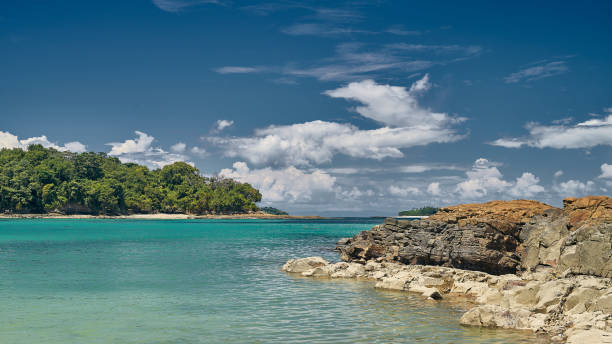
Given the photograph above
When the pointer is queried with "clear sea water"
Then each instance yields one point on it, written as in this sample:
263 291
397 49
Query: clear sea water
202 281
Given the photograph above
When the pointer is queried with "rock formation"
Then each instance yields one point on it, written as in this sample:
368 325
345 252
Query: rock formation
524 264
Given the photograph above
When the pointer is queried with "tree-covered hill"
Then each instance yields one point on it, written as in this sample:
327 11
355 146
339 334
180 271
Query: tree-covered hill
40 180
425 211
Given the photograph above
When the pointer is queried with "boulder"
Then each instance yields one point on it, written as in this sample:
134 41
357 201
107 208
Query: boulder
304 264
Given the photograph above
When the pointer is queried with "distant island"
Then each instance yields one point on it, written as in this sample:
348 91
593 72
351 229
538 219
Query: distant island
42 180
425 211
273 211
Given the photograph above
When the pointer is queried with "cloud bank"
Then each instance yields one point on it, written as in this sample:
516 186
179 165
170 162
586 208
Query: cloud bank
406 124
587 134
8 140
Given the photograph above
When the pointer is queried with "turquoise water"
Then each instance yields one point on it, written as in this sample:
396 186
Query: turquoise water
201 281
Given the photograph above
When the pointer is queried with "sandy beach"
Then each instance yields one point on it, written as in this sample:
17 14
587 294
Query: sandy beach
159 216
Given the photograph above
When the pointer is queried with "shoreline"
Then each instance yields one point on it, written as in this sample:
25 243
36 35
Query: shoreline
526 265
163 216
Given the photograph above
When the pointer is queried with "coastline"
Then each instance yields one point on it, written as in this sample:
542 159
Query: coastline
162 216
520 264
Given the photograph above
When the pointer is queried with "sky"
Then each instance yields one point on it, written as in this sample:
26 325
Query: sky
352 108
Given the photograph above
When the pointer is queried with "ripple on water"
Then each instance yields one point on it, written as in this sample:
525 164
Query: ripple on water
70 281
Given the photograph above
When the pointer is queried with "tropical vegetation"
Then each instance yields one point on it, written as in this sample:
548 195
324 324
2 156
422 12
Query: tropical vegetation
41 180
273 211
425 211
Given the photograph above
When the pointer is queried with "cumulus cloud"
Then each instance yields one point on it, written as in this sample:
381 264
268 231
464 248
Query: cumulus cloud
199 151
317 142
141 151
406 124
542 70
485 179
178 147
587 134
8 140
222 124
526 186
284 185
574 188
606 171
393 105
434 189
406 191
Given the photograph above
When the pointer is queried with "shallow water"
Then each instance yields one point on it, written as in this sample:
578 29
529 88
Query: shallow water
202 281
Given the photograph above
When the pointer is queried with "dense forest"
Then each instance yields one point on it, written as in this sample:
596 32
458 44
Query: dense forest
273 211
425 211
41 180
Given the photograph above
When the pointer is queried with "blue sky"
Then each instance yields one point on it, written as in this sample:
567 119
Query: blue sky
332 108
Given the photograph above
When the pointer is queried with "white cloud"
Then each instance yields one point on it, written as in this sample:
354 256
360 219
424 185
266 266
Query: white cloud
180 5
526 186
139 145
588 134
8 140
358 61
606 171
403 191
141 151
434 189
319 29
485 179
178 147
558 174
201 152
540 71
401 31
284 185
222 124
468 50
406 125
508 143
317 142
393 105
238 70
574 188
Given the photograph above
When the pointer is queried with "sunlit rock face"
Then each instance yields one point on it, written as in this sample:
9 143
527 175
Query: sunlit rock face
497 237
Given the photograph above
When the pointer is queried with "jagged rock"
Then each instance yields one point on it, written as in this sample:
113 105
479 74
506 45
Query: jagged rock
525 265
587 209
497 237
472 236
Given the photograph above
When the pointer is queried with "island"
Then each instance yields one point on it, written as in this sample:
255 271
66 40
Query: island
42 180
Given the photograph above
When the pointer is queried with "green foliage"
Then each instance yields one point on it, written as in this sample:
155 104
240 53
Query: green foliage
273 211
425 211
40 180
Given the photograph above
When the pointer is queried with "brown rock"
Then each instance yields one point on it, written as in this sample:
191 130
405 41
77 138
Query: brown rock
587 209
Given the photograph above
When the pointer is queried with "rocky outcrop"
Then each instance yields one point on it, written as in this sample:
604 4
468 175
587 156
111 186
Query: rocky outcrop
577 239
482 237
524 264
497 237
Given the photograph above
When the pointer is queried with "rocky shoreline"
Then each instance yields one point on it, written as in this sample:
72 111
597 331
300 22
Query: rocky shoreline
521 264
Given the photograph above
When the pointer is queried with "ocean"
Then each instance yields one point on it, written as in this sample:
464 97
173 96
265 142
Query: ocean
203 281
